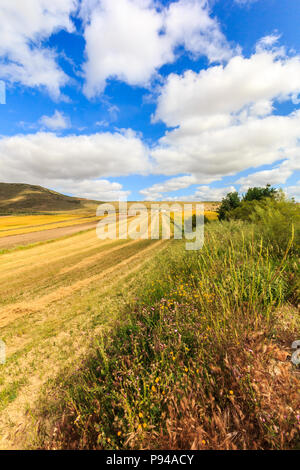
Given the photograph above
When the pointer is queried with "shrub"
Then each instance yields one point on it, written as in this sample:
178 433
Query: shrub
233 207
244 211
278 222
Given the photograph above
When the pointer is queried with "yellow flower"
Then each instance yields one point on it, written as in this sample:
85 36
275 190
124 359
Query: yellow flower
144 425
153 388
140 415
157 379
186 369
231 392
119 433
203 442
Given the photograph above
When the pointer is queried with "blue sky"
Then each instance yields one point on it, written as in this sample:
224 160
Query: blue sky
149 99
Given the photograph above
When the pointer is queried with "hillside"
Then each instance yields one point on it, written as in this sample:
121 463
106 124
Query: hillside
20 198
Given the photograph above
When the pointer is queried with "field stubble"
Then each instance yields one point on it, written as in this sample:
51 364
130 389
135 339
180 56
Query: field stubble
55 299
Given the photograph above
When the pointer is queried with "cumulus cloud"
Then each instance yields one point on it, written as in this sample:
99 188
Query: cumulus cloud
206 193
275 176
56 122
131 39
156 191
54 161
222 117
228 150
99 190
218 92
24 26
203 194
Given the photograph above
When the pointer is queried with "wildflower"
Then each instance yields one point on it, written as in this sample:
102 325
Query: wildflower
140 415
203 442
157 379
119 433
144 425
153 388
186 369
231 392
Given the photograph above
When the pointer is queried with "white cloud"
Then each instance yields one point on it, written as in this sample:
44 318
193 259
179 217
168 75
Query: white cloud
223 117
219 91
99 190
204 193
156 191
24 26
219 152
45 158
275 176
131 39
56 122
267 41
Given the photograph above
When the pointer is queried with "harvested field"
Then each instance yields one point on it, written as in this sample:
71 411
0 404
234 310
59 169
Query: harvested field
55 298
23 239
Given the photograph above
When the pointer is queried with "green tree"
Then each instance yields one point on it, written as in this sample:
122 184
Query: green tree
230 202
257 193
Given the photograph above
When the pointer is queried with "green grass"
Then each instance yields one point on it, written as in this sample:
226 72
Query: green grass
190 360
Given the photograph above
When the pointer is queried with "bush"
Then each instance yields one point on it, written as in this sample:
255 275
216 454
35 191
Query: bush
278 221
244 211
233 207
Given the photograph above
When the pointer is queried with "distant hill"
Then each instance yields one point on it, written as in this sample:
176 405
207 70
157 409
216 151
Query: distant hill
27 198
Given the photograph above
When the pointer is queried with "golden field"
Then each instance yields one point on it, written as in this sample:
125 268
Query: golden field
133 344
16 225
54 299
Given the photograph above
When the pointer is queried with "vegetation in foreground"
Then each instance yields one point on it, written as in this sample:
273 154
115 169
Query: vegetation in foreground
200 358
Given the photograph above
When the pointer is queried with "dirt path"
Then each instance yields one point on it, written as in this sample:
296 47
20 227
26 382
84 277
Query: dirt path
51 234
